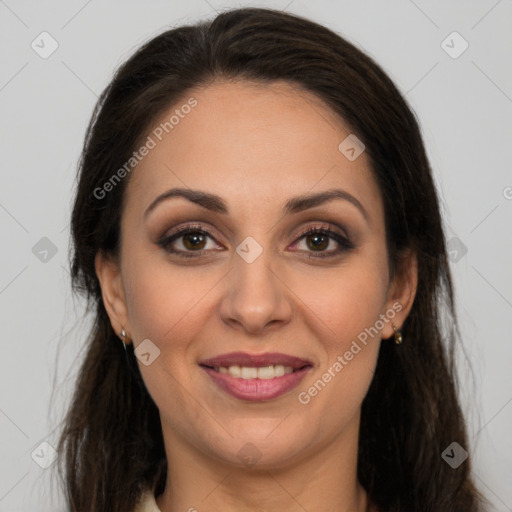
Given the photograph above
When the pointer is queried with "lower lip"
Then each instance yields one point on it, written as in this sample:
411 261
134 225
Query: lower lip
256 389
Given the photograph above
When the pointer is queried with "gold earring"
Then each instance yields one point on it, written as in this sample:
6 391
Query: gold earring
398 334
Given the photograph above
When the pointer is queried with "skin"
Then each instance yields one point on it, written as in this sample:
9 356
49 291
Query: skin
255 146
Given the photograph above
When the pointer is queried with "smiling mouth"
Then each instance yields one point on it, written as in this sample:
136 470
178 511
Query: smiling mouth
256 377
257 383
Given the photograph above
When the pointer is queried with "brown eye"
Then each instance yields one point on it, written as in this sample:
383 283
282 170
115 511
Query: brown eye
317 240
188 242
193 240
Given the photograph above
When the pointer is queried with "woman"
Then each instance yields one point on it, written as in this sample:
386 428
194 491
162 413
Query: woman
257 228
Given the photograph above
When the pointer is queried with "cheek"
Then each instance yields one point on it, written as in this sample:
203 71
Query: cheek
345 300
168 306
163 301
345 308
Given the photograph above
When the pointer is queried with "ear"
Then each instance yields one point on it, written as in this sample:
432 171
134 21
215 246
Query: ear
112 291
401 292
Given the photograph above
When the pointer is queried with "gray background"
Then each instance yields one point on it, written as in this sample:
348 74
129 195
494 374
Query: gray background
464 105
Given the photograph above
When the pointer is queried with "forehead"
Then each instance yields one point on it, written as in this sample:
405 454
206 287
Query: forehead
253 144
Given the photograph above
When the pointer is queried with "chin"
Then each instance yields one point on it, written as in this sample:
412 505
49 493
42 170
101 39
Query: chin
261 450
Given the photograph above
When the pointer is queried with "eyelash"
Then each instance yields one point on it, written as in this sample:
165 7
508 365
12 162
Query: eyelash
344 244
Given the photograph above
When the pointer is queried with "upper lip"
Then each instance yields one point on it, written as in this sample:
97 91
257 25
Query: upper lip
255 360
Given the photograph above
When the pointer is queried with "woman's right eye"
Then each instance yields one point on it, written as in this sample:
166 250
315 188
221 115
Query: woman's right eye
188 242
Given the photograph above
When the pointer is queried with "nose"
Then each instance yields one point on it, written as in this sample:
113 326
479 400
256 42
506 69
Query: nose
257 298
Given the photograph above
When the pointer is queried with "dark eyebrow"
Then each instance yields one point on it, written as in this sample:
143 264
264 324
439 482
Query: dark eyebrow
294 205
306 201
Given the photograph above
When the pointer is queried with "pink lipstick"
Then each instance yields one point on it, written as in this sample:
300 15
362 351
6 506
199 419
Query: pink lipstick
256 377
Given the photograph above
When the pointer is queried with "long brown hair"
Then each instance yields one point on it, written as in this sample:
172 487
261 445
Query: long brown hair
111 447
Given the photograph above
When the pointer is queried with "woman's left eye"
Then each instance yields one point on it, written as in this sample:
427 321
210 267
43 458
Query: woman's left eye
191 242
319 239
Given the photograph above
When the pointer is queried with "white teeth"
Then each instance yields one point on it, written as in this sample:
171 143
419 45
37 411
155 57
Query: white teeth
235 371
248 373
267 372
280 370
263 372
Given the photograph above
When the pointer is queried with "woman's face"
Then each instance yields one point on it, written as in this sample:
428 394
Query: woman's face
204 277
